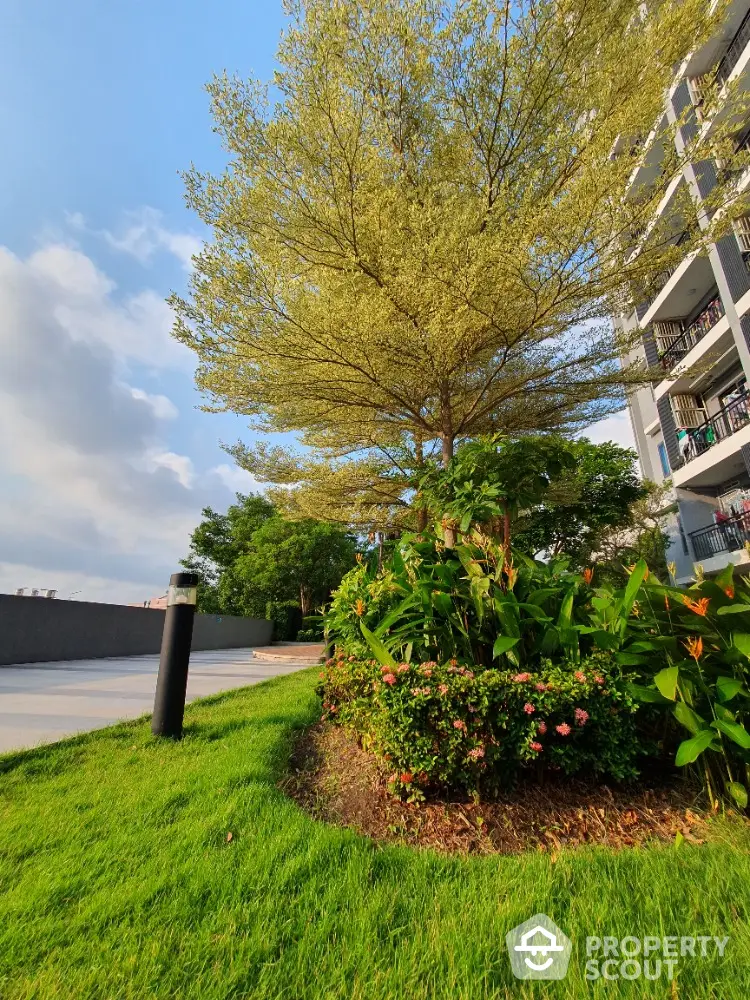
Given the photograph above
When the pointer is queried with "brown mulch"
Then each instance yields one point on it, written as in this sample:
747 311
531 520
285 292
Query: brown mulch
335 780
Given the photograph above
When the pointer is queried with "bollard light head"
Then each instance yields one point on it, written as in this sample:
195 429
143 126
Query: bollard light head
183 589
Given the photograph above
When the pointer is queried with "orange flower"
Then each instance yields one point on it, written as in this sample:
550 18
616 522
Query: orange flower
729 591
359 607
694 646
699 607
588 575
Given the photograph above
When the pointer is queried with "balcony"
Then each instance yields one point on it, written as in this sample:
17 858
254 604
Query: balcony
716 428
692 334
732 55
727 536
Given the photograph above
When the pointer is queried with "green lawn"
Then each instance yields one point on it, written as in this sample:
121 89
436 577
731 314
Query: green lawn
118 881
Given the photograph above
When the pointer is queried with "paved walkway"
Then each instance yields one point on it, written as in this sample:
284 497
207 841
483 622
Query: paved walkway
44 702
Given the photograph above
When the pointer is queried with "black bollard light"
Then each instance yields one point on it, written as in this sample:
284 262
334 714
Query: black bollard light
171 684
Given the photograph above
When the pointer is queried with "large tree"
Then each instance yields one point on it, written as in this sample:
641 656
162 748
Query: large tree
424 225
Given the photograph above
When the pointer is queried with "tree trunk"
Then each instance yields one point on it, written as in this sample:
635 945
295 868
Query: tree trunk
506 533
380 551
449 532
418 501
304 601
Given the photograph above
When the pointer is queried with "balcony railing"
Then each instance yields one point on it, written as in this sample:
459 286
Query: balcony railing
727 536
692 334
733 53
721 425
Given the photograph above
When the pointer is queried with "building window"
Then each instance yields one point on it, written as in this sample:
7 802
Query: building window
664 459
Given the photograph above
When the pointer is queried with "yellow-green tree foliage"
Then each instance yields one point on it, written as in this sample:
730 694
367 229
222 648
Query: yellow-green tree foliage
423 226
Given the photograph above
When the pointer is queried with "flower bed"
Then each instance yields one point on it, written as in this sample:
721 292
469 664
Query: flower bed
436 726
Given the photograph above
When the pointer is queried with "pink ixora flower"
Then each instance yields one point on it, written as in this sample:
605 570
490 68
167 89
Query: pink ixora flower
477 753
522 678
582 716
536 747
459 724
443 688
425 671
352 659
402 668
529 708
542 727
563 729
580 676
598 679
541 686
389 679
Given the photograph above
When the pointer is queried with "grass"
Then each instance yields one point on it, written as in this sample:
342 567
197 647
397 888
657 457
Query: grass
117 881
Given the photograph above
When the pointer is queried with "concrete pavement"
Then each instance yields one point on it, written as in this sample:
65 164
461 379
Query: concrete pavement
45 702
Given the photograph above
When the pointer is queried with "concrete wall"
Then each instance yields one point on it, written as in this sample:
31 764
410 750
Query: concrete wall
35 629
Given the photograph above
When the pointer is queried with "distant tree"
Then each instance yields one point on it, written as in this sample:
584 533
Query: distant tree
595 493
251 555
302 560
640 537
216 545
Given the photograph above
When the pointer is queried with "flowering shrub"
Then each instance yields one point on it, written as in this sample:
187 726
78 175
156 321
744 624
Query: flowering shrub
475 729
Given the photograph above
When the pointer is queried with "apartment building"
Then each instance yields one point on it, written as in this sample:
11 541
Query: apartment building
694 430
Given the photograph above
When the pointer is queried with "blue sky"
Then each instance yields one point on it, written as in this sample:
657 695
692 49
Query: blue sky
109 462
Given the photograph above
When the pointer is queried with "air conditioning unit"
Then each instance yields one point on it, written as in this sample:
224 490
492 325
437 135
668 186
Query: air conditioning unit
666 333
20 592
741 228
51 594
687 411
698 87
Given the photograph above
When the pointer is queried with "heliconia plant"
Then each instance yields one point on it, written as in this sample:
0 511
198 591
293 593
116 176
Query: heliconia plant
688 649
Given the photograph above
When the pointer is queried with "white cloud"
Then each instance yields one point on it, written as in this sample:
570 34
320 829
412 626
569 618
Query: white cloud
83 301
163 407
142 235
236 479
77 586
615 428
92 490
180 465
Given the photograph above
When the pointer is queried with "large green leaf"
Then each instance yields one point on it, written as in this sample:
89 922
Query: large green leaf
502 644
644 694
566 609
742 641
666 682
689 719
738 792
379 650
734 609
606 640
635 580
690 750
727 687
734 731
631 659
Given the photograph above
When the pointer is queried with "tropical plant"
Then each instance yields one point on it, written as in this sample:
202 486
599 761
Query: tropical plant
489 480
691 648
467 602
